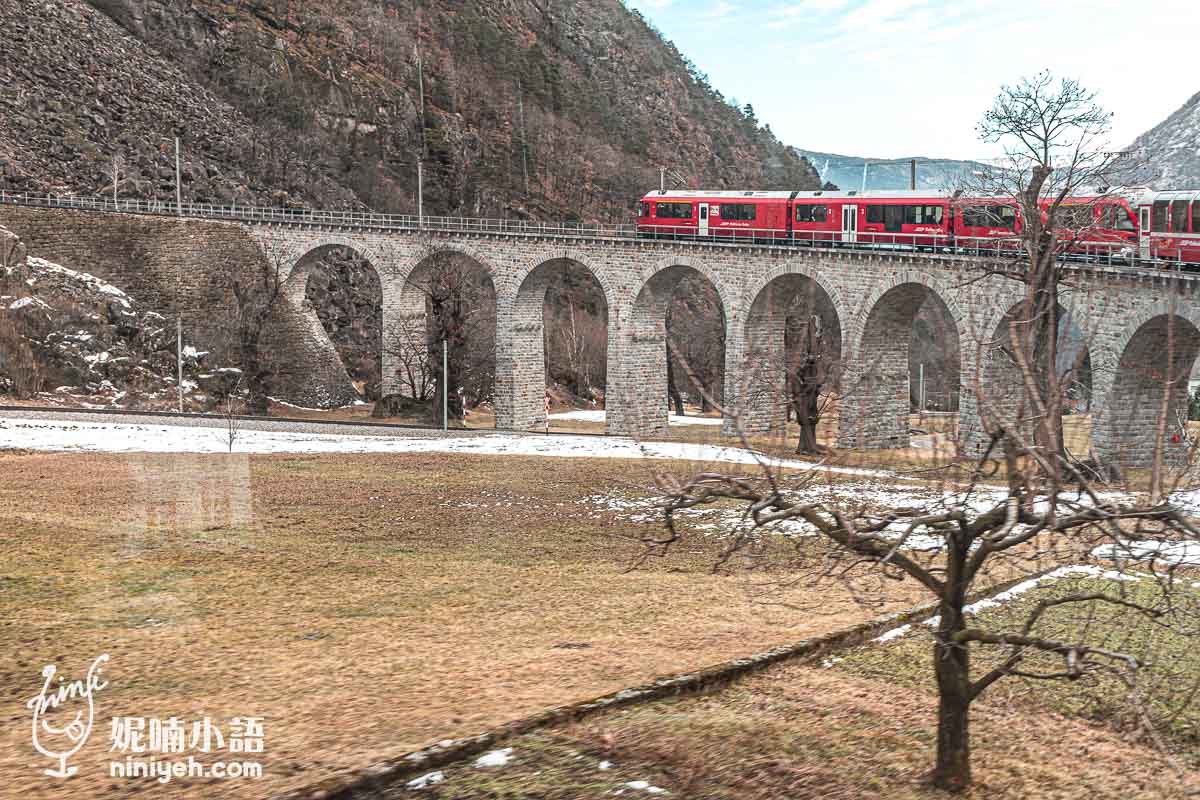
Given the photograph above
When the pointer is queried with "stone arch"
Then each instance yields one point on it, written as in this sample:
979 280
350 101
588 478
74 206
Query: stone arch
875 405
406 316
653 272
1154 353
995 396
758 377
637 379
521 357
292 257
295 290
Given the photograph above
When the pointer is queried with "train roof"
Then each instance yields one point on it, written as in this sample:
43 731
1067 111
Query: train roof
1132 194
723 194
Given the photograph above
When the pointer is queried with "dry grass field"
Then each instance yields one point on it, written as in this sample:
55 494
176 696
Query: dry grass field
803 732
364 605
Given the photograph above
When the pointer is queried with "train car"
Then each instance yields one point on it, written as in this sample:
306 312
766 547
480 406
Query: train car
757 216
985 223
1169 225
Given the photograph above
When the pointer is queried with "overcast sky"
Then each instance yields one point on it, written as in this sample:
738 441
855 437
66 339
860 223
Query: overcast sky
894 78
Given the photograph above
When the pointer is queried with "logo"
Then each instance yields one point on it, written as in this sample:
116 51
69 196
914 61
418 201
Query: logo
59 726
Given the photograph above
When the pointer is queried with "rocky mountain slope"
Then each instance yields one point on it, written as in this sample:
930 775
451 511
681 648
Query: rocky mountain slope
846 172
73 338
517 107
1169 153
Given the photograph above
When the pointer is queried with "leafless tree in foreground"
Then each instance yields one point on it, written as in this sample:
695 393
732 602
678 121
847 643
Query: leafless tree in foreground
1005 517
1056 168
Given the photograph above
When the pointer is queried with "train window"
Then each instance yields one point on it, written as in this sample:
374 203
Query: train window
674 210
1119 220
893 218
809 213
1076 217
739 211
990 217
643 209
922 215
1179 220
1158 222
1196 216
875 215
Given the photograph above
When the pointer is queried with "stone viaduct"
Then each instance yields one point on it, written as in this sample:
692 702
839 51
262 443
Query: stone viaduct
868 299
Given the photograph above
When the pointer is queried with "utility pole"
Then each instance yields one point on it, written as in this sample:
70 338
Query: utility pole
420 195
662 180
178 283
524 144
116 177
912 178
864 180
445 387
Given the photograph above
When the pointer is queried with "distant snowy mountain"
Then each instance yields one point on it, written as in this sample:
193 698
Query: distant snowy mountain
1170 151
889 173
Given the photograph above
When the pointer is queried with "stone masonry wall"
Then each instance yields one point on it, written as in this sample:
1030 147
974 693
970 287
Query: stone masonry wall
185 266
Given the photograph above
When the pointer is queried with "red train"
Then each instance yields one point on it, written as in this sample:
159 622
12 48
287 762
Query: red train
1121 224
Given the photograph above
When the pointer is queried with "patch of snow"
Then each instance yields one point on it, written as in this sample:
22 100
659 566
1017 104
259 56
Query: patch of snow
27 301
428 779
894 633
646 787
605 765
1001 598
599 415
1183 553
94 283
495 758
191 352
126 438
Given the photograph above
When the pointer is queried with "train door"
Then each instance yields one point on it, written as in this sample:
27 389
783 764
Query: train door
703 225
1144 232
849 223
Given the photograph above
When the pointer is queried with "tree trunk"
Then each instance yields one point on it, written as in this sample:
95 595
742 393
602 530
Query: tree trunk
672 389
808 415
952 771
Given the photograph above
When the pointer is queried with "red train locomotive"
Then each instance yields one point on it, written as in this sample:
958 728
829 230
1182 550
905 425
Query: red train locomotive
1122 224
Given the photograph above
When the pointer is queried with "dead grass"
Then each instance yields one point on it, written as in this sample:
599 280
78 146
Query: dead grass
364 605
803 733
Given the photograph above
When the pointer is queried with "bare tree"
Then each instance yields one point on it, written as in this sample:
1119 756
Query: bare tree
957 534
811 366
461 312
1054 135
695 329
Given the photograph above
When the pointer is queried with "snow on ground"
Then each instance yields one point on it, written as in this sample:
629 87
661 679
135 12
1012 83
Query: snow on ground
1183 553
96 284
109 437
428 779
1001 598
599 415
495 758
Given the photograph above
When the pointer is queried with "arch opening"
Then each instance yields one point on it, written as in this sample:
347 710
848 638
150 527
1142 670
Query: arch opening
343 288
1146 411
792 367
446 315
558 338
1003 398
909 331
678 302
